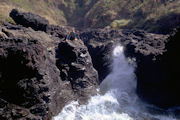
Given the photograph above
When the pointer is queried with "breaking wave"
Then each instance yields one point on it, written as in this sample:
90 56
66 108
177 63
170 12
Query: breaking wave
116 100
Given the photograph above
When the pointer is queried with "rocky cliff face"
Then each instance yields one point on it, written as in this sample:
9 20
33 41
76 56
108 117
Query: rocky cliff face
30 85
33 67
157 74
161 87
100 43
156 57
40 72
75 65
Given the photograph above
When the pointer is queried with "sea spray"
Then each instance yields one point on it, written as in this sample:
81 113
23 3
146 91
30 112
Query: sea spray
122 76
116 100
100 107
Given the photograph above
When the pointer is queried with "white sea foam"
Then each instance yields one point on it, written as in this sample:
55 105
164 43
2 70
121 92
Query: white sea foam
100 107
117 99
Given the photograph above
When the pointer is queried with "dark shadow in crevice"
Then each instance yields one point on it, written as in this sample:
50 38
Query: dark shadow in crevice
16 79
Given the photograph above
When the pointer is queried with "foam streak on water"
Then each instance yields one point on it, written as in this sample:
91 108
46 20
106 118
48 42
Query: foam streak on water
116 100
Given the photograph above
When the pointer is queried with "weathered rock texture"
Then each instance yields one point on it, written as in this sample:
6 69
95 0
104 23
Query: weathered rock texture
75 65
29 20
100 45
37 22
156 57
158 75
30 85
101 42
33 65
40 72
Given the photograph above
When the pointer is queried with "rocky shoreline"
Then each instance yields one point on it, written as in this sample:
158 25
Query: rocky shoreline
40 72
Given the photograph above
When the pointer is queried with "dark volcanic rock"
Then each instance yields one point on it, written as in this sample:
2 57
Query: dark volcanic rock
30 86
37 22
74 63
172 57
156 58
157 69
100 46
30 62
158 76
56 31
29 20
100 43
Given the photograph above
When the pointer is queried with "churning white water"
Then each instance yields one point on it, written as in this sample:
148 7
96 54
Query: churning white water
116 100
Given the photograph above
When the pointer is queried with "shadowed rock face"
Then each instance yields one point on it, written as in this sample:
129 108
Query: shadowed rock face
100 43
74 63
30 86
29 20
37 22
156 56
157 74
45 72
32 80
165 82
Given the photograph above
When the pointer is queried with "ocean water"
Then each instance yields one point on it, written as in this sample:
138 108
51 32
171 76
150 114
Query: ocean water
117 99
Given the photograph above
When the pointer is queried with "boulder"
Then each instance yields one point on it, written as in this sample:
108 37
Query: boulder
29 20
37 22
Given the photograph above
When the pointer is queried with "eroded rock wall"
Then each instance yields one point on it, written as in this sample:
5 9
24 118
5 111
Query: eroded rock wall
32 85
156 57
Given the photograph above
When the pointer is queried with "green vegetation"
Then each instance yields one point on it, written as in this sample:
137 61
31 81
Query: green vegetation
119 23
150 15
97 13
42 7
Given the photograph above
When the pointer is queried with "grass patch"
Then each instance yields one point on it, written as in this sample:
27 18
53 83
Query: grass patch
120 23
94 13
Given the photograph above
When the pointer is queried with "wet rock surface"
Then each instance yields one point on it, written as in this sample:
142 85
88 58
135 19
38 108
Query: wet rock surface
162 86
101 42
157 74
100 49
156 57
